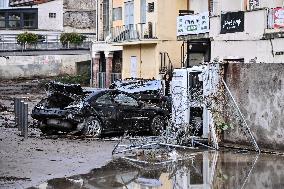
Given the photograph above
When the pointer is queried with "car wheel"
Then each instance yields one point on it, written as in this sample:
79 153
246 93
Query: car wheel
92 127
158 125
48 131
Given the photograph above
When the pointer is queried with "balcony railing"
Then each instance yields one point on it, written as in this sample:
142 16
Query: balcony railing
8 42
134 32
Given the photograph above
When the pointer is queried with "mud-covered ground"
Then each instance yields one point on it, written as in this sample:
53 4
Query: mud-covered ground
25 163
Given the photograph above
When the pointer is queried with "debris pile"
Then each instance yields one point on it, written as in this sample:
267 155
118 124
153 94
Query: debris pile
3 108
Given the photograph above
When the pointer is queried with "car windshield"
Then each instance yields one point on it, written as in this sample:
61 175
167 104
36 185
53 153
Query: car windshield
87 95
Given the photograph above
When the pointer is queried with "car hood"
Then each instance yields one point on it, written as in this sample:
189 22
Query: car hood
64 89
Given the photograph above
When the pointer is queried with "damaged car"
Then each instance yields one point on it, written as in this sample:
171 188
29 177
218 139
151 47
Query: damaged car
95 112
147 90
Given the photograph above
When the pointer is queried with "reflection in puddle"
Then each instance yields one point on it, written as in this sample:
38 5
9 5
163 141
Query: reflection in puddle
204 170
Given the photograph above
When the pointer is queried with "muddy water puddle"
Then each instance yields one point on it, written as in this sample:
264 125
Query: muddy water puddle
202 170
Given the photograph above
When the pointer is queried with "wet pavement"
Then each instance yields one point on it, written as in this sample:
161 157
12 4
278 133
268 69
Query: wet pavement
201 170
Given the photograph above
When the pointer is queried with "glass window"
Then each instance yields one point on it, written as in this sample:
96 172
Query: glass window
4 3
52 15
125 100
14 20
104 99
106 18
143 11
29 20
2 20
117 13
18 18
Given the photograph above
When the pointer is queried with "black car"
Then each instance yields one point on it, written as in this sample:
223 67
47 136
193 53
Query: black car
97 111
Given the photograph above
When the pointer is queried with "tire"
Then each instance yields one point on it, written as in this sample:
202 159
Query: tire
158 125
92 127
47 131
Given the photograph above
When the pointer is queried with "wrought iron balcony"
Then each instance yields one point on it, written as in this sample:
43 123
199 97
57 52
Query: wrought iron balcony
134 32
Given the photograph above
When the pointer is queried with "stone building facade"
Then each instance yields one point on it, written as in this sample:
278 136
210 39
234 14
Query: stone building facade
80 16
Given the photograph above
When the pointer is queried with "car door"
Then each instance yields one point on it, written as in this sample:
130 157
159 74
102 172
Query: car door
129 112
106 110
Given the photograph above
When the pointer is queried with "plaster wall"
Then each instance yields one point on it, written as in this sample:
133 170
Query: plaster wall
198 5
264 51
259 91
167 14
43 66
147 58
253 30
46 23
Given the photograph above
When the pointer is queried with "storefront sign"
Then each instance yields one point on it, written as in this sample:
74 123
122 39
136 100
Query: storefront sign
193 24
278 18
232 22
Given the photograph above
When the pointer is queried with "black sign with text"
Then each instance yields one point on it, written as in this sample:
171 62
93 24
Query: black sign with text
232 22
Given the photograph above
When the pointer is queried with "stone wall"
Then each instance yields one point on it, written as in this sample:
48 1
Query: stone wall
80 16
259 91
80 19
80 4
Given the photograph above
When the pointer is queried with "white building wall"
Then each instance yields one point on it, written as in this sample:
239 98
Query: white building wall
248 44
46 23
198 6
260 50
271 3
227 6
255 25
240 5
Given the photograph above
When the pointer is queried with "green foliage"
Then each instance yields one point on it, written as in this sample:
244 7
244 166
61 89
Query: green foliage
72 38
27 38
224 126
83 79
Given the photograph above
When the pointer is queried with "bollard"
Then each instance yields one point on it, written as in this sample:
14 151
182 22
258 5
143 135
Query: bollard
17 102
15 112
25 121
21 116
20 119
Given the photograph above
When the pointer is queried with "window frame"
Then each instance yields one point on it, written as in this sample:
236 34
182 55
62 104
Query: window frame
126 104
52 15
3 20
21 12
116 17
102 96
